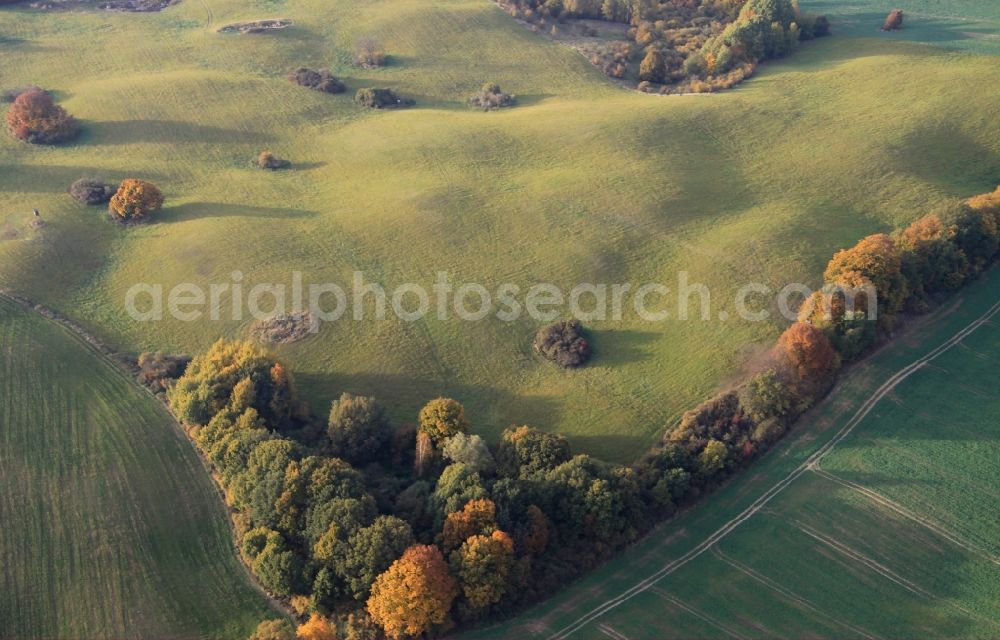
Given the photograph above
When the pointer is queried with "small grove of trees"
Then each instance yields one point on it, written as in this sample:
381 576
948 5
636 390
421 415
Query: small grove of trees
676 46
35 117
135 201
321 80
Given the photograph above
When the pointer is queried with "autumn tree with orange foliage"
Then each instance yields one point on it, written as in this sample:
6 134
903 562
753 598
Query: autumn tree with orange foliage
478 517
536 538
876 259
36 118
316 628
808 351
135 200
415 594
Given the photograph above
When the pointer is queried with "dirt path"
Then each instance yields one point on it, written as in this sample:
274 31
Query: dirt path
782 484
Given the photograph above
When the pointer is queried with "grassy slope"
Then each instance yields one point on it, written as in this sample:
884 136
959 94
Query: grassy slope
111 528
972 25
582 182
823 559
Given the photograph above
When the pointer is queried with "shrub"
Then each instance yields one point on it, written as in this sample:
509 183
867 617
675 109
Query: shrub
491 97
135 200
157 371
36 118
92 192
893 21
269 161
320 80
564 343
381 99
369 53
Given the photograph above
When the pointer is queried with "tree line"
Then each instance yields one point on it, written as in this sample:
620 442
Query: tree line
373 530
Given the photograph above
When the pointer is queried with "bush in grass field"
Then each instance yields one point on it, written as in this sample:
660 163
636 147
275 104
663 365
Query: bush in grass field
369 53
893 21
267 160
564 343
491 97
135 201
381 99
321 80
36 118
92 192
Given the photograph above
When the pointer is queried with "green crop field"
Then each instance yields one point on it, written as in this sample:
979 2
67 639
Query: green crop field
110 526
891 533
581 182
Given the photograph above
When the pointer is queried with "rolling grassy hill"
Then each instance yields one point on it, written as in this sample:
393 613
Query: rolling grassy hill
971 25
582 182
891 534
111 527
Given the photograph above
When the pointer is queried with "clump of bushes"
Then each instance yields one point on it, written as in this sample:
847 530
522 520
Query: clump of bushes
564 343
135 201
158 371
321 80
491 97
92 192
684 45
36 118
267 160
369 53
381 99
893 21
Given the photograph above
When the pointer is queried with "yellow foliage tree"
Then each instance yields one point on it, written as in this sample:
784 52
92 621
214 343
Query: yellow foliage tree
135 200
316 628
478 517
414 595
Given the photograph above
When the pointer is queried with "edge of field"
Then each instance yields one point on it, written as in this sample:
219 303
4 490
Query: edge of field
673 540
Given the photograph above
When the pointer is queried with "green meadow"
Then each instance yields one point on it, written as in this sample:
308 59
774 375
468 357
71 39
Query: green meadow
581 182
892 534
111 527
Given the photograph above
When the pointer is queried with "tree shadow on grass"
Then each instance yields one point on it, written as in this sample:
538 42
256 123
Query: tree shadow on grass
305 166
616 348
944 155
198 210
166 131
